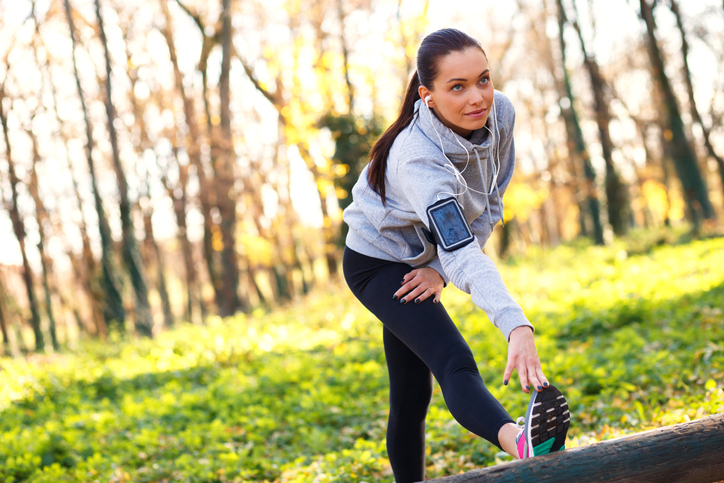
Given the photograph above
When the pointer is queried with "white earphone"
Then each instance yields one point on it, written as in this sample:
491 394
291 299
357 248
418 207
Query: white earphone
427 100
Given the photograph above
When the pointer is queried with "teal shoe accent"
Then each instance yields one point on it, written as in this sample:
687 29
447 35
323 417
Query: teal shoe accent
543 448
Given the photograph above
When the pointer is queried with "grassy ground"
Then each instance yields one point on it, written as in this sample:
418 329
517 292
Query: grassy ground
633 334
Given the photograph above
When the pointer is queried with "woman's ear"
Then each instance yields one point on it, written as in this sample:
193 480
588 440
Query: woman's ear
426 96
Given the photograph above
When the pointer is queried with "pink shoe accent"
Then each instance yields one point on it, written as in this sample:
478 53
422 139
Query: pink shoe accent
522 450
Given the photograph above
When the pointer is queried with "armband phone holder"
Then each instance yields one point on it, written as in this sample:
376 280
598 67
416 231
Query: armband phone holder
449 228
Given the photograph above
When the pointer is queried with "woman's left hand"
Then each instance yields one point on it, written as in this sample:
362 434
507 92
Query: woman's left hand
420 284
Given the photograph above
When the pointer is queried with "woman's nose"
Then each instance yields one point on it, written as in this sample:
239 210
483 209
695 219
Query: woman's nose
476 97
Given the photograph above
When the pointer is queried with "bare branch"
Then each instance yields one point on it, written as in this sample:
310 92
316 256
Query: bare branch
195 16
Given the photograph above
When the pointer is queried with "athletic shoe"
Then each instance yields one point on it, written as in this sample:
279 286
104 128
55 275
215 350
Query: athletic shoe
545 425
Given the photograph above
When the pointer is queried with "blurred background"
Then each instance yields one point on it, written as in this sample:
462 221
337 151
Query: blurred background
164 161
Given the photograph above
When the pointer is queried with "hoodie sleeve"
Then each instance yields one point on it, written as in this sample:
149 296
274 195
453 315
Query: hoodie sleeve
468 268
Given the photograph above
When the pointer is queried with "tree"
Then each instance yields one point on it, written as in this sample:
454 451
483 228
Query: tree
192 144
152 248
113 310
224 272
4 321
576 142
131 257
41 215
19 225
619 207
224 170
695 114
684 157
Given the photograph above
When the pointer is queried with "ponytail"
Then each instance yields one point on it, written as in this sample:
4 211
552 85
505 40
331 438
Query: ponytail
381 150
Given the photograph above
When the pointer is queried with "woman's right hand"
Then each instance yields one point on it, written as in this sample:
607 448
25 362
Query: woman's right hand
522 355
419 285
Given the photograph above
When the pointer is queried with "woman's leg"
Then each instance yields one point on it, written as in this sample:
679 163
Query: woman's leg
410 394
427 330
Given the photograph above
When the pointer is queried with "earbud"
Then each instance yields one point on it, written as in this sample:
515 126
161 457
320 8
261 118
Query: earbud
427 100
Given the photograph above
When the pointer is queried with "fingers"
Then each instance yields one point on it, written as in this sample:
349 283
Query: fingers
418 286
508 372
523 377
531 377
418 295
542 378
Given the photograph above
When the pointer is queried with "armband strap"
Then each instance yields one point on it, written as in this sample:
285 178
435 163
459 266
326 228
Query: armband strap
448 227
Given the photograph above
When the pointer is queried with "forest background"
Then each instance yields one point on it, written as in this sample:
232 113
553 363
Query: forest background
172 175
163 161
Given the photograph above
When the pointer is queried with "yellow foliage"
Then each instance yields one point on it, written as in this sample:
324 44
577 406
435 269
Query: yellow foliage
217 241
260 250
340 170
676 208
654 194
340 193
521 199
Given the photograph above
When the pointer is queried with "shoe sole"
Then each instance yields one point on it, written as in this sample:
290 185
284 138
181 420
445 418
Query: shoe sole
547 421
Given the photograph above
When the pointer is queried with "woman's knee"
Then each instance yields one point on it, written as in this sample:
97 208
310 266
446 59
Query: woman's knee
459 363
411 402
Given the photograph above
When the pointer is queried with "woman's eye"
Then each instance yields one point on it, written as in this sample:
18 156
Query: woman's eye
484 80
457 87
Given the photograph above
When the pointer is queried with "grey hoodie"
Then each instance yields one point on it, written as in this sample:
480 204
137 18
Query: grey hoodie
417 176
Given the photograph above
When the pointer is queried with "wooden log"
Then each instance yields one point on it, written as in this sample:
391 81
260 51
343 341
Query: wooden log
690 452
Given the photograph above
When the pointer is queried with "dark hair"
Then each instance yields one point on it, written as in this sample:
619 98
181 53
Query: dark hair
433 48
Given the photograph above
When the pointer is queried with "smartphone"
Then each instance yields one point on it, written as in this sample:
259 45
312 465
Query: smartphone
448 224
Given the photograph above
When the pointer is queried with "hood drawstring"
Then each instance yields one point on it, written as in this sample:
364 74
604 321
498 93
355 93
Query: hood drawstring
500 206
497 192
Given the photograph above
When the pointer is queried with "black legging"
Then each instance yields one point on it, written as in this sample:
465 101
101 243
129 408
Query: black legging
420 339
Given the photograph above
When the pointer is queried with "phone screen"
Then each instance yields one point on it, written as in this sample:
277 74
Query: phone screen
449 224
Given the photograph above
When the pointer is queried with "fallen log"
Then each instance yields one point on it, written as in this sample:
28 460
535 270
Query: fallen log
690 452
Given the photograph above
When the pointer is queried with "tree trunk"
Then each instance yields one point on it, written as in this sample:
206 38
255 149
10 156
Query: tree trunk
19 229
152 248
193 147
684 157
43 222
4 321
113 310
619 206
168 318
684 453
180 203
706 131
576 143
224 170
131 257
345 57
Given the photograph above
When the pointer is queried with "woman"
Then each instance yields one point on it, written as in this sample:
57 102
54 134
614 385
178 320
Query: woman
452 144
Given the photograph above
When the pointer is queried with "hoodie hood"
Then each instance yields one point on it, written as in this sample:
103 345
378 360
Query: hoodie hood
456 147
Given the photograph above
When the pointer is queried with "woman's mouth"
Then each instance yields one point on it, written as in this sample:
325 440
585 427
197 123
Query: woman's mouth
477 114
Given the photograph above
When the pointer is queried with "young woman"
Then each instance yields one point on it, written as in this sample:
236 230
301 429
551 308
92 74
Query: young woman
452 143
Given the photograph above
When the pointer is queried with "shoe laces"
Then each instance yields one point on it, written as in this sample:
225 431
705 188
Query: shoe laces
520 422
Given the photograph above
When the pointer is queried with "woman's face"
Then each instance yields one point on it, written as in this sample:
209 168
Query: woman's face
462 93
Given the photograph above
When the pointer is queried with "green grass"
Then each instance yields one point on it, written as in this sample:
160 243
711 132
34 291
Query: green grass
633 334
